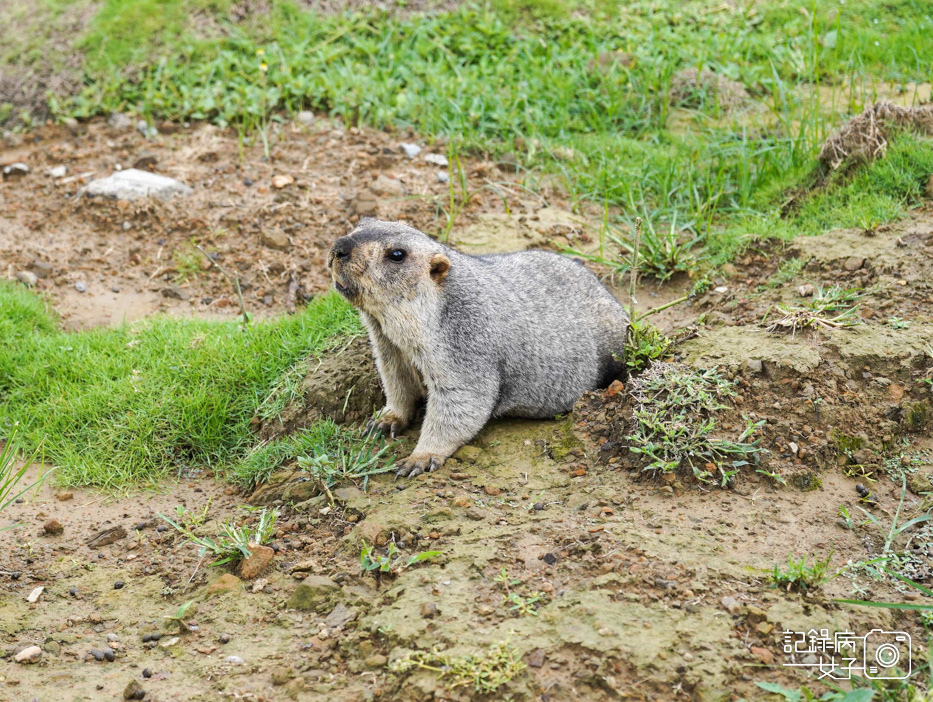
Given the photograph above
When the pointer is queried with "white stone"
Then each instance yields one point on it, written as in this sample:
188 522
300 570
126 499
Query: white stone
58 171
305 117
28 655
35 594
132 184
410 150
436 159
234 660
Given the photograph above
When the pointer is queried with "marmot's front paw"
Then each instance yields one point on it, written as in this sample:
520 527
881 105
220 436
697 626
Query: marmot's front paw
387 424
416 465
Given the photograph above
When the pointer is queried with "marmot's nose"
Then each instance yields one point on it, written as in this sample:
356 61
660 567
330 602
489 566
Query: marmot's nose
343 246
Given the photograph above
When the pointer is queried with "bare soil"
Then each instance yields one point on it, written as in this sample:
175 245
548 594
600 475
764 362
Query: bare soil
649 589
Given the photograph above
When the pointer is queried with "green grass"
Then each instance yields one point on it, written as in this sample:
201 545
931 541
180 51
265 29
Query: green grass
135 403
800 576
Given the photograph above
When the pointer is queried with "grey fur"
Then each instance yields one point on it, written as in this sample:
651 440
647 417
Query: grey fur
521 335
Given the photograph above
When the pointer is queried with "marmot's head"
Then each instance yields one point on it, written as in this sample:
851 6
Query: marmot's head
383 263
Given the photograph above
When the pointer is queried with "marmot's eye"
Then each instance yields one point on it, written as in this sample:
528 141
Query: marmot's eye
397 255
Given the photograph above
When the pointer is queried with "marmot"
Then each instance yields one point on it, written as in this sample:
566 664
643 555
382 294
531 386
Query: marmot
521 335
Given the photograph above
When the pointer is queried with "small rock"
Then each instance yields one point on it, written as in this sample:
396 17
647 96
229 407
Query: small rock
305 118
147 673
224 638
133 184
468 454
42 269
31 654
175 293
259 559
365 204
339 616
64 496
27 278
97 654
313 591
428 610
58 171
536 658
134 691
248 182
109 655
35 595
475 514
146 130
384 185
282 181
539 506
806 290
764 654
113 638
410 150
118 120
442 177
81 286
226 583
276 239
754 365
72 125
436 159
376 661
234 660
731 605
107 537
15 170
118 585
281 675
853 263
492 490
146 160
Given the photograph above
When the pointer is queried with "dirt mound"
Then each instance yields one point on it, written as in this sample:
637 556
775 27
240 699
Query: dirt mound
689 86
342 385
865 137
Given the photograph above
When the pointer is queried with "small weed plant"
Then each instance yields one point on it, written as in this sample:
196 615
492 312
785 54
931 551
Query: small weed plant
485 672
234 541
355 455
645 345
392 562
519 604
831 308
801 576
675 411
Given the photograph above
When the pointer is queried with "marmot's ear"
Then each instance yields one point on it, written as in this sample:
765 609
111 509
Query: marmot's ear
440 264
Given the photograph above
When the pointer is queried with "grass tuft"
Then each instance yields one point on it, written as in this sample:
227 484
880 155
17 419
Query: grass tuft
135 403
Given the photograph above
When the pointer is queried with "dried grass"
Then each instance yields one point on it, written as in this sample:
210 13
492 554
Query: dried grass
865 138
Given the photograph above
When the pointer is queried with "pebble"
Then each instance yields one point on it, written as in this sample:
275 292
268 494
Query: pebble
58 171
436 159
31 654
73 592
224 638
53 527
134 691
119 584
442 177
109 654
146 130
305 117
72 125
853 263
98 654
175 293
42 269
64 496
536 658
247 181
731 605
118 120
147 673
475 514
27 278
410 150
539 506
112 637
234 660
282 181
35 594
428 610
81 286
15 170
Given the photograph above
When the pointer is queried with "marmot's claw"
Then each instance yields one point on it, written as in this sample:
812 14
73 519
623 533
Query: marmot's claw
412 467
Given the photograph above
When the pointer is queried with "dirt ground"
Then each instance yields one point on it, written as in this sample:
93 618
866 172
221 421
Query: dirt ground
649 589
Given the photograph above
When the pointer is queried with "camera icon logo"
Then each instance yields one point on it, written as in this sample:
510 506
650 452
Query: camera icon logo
886 655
